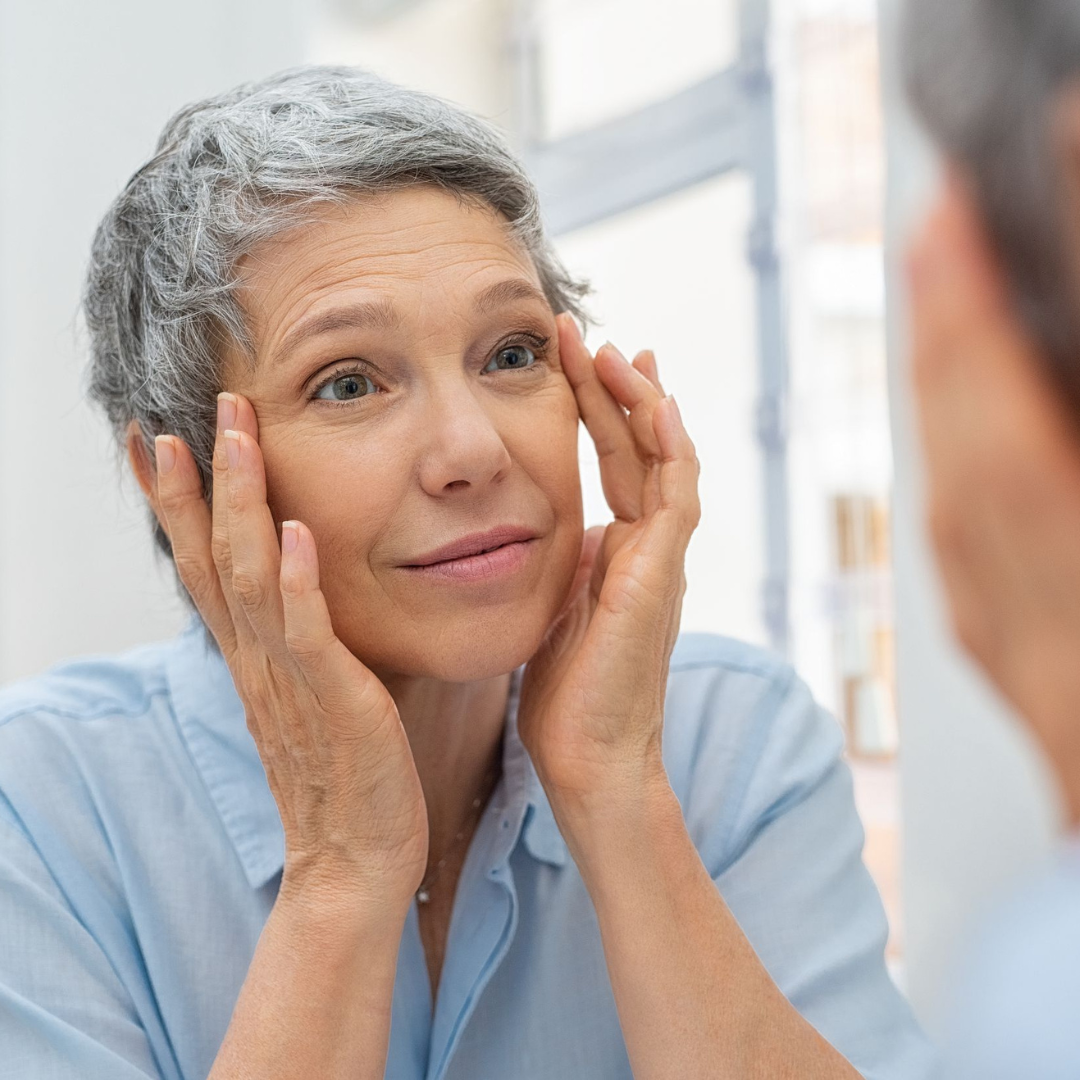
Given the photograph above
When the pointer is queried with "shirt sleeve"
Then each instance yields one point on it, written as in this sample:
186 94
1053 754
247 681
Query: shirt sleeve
64 1012
774 808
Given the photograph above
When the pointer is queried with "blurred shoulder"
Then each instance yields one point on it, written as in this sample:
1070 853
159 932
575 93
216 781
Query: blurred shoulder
1013 1005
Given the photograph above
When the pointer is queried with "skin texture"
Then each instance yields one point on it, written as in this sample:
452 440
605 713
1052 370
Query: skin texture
1002 454
377 701
438 443
435 450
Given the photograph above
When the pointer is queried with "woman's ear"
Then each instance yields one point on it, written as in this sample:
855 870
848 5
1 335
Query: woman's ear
144 469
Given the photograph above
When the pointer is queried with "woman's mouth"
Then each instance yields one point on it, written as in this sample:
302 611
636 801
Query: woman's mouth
489 565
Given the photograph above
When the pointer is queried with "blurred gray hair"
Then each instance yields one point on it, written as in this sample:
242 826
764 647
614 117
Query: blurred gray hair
985 77
232 170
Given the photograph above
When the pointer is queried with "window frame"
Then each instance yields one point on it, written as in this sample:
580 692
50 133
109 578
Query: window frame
724 122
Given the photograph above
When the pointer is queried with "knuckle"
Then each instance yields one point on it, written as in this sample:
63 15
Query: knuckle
690 515
193 572
249 588
292 588
256 701
172 501
304 646
219 459
236 495
221 552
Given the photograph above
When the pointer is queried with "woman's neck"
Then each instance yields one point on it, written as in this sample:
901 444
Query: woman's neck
455 731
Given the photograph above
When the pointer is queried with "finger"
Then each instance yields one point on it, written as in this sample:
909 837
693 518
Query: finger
187 518
252 535
229 417
634 391
309 634
678 510
621 472
645 362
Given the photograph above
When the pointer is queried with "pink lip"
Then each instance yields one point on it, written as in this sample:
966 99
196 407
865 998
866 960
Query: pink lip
492 564
474 544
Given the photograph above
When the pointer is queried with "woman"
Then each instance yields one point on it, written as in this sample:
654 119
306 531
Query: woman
388 803
995 279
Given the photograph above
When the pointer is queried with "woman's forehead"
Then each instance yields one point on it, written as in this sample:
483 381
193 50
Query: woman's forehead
374 234
415 237
385 254
418 260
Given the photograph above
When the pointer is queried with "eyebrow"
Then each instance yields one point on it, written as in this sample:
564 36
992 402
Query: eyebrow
382 315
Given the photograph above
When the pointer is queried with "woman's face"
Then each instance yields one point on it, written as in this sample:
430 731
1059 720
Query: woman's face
404 402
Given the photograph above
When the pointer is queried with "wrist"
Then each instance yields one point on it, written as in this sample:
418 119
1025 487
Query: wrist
630 788
618 814
326 902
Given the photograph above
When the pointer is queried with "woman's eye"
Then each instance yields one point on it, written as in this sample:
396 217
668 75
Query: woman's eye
346 387
516 356
352 385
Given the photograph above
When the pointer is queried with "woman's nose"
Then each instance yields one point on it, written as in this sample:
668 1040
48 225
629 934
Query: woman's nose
459 439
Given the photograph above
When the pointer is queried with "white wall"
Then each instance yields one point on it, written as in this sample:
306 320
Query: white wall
977 803
85 88
458 49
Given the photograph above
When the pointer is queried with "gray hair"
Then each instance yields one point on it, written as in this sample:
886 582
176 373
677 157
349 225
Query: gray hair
985 77
232 170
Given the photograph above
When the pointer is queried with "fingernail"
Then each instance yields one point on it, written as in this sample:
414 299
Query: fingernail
226 411
164 454
611 345
675 406
290 536
232 448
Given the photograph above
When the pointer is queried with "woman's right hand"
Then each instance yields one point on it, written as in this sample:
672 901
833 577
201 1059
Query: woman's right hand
336 756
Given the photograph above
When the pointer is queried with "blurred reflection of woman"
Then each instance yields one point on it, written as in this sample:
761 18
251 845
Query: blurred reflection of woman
430 784
996 328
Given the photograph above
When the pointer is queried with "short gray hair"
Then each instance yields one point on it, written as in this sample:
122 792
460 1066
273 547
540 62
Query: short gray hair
985 77
229 171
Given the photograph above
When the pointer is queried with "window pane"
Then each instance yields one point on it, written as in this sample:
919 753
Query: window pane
600 59
673 277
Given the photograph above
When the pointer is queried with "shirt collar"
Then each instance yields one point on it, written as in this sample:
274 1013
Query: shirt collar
210 716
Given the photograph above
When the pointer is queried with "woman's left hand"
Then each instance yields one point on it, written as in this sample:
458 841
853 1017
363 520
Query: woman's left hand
592 697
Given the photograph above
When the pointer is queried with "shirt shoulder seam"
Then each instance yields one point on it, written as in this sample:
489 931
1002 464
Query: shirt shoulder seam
99 711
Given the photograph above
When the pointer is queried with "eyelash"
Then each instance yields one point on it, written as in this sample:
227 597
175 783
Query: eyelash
536 342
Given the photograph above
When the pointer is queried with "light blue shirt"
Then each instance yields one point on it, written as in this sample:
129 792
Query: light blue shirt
1016 1005
141 850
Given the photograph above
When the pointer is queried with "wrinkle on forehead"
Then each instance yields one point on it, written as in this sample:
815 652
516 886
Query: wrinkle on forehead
416 237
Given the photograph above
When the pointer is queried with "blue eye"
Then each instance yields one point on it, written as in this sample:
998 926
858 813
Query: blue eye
349 385
513 352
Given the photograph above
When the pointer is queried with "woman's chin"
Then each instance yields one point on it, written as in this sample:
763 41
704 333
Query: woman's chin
457 650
